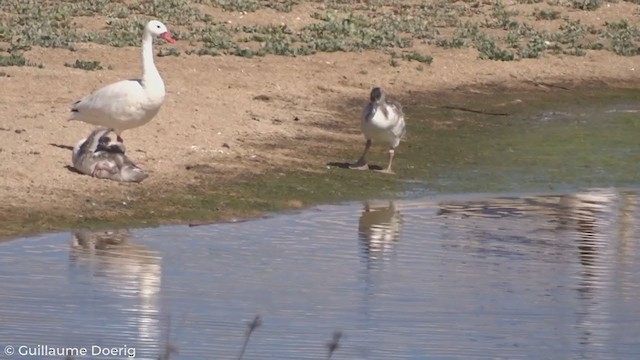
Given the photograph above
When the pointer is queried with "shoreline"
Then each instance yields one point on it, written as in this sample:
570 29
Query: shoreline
260 98
201 200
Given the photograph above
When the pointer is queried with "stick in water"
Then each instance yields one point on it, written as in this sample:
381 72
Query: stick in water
334 344
250 327
168 347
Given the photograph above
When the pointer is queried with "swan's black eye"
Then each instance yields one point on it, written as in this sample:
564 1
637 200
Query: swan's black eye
158 26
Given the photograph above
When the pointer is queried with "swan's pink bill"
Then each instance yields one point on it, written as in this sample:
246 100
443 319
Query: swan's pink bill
167 37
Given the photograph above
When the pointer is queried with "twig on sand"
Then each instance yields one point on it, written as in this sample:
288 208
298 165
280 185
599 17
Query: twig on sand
475 111
250 328
542 84
334 343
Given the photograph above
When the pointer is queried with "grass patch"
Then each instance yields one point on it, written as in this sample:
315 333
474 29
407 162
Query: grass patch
414 56
586 4
496 29
350 33
85 65
546 14
17 60
624 37
453 43
168 51
489 50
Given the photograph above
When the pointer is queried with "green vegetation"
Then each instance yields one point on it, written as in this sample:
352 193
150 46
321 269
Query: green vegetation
16 60
85 65
625 38
498 30
586 4
168 51
414 56
546 14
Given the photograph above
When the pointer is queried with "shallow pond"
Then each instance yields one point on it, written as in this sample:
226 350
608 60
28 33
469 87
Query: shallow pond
523 244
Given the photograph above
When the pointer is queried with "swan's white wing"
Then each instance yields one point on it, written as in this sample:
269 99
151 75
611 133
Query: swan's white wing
113 105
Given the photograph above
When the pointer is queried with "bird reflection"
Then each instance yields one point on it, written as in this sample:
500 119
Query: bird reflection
378 233
379 230
128 271
591 214
86 243
603 221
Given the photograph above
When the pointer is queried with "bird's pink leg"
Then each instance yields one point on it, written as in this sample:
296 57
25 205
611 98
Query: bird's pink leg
97 171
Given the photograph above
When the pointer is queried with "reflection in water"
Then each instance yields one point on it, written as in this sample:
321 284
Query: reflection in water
602 224
595 215
379 230
127 270
452 276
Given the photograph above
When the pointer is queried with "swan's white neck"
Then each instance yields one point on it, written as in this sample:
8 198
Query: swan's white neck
150 74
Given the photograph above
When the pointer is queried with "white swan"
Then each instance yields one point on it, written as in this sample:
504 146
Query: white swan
129 103
383 120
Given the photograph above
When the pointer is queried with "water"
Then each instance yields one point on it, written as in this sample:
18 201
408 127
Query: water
512 239
473 276
577 142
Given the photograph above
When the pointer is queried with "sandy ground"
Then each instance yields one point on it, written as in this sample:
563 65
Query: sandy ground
233 114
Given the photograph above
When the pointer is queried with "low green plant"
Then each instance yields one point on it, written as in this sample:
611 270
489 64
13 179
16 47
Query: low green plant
350 33
6 32
341 25
113 9
489 50
542 14
245 52
454 42
501 17
624 37
179 12
586 4
168 51
17 60
120 33
414 56
213 37
275 39
280 5
85 65
237 5
535 47
204 51
571 33
513 39
468 31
